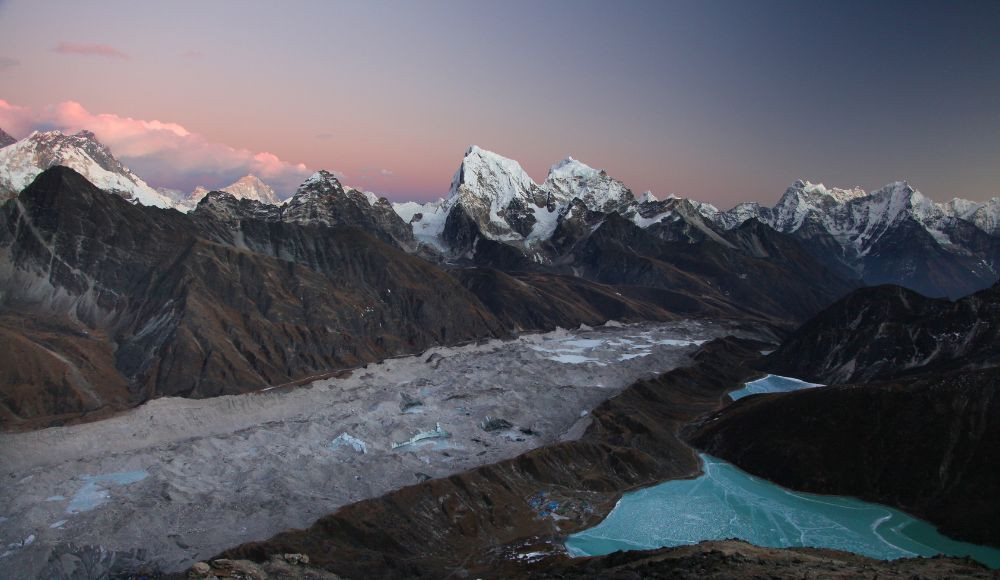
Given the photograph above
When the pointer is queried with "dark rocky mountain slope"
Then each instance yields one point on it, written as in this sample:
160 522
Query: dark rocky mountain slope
760 270
754 269
889 331
186 313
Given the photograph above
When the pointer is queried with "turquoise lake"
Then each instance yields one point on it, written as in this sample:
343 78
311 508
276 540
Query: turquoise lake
726 502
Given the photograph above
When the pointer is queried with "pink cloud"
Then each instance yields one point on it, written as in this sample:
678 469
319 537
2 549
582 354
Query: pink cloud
89 49
165 154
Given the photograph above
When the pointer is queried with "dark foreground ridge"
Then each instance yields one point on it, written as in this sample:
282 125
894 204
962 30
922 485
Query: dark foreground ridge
485 522
726 559
929 445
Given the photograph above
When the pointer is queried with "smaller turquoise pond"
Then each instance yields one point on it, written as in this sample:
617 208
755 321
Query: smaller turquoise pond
771 384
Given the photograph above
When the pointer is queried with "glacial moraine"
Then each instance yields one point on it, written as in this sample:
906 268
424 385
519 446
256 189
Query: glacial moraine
256 464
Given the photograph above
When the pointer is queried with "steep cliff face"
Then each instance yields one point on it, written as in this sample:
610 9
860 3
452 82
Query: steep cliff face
889 331
928 445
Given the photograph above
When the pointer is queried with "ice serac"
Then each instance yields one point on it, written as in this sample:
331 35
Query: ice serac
24 160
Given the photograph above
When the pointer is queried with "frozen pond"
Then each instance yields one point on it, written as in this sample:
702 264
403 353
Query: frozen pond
726 502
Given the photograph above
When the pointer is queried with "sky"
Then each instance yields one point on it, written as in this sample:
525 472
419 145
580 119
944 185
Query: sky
722 101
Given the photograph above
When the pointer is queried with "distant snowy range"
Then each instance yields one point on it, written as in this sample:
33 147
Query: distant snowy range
891 235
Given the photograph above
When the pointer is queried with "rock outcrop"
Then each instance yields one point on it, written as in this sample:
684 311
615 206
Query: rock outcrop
889 331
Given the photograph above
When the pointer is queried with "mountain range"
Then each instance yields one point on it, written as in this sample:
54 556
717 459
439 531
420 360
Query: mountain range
891 235
200 302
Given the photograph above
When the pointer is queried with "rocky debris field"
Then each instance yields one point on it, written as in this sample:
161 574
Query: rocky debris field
176 480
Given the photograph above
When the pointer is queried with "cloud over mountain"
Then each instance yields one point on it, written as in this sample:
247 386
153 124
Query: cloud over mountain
165 154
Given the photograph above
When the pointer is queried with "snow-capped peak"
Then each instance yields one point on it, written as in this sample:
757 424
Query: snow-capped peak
251 187
570 168
22 161
370 197
961 208
323 184
837 194
321 179
247 187
486 174
571 179
987 217
647 197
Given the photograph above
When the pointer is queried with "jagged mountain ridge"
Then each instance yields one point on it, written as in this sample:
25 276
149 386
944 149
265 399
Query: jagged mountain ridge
891 235
189 313
507 205
320 201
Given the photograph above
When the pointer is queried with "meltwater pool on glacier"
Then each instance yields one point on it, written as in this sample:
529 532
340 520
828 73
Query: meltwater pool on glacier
726 502
771 384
